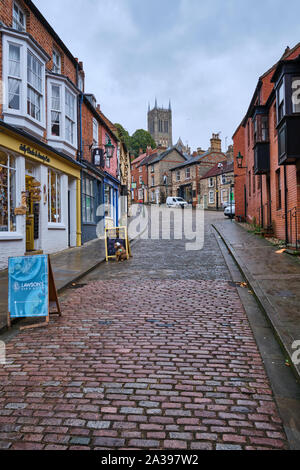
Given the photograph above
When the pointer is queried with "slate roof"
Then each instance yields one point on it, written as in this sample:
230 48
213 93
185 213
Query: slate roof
228 167
159 157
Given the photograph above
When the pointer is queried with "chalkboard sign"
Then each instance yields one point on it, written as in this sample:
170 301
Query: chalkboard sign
30 287
116 235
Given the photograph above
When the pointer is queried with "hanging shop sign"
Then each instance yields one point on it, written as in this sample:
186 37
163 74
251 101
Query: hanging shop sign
30 151
31 289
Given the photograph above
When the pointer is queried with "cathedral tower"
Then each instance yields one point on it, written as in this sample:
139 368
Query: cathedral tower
160 125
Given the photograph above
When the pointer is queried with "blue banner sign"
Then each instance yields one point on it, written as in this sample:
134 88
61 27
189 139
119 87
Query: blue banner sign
28 286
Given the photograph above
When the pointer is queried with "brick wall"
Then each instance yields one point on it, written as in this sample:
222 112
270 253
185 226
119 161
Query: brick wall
262 192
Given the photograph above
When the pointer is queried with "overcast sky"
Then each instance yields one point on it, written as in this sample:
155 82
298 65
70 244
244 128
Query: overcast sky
206 56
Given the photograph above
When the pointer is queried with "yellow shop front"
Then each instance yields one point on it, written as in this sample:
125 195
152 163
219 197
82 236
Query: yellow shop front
39 197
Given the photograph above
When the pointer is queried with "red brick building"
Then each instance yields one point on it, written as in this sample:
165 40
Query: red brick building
267 177
139 176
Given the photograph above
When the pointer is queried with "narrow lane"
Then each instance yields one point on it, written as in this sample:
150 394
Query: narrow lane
154 353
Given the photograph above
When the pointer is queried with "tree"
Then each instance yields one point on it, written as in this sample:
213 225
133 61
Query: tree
141 139
123 135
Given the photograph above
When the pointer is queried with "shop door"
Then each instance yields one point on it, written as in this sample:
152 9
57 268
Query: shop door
33 193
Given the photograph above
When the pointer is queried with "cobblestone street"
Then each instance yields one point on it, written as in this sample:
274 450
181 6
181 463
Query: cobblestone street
153 353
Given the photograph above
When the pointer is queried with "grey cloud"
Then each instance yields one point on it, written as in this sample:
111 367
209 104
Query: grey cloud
204 55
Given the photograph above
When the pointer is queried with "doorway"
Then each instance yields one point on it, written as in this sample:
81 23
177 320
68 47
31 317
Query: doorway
33 198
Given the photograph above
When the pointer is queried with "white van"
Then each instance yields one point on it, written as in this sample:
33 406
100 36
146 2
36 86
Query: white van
176 202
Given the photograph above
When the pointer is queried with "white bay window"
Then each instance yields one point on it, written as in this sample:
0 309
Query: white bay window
24 83
62 114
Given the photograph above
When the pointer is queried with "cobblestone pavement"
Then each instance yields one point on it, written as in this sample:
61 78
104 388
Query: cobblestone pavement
164 359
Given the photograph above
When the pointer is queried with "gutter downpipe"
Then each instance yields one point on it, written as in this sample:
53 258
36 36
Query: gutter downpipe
286 207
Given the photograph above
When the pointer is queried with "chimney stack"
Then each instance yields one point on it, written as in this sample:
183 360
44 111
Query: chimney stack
216 143
200 151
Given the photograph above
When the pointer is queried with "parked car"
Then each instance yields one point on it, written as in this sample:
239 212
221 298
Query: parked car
176 202
227 203
230 210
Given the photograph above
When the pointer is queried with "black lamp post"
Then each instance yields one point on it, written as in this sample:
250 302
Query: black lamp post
239 160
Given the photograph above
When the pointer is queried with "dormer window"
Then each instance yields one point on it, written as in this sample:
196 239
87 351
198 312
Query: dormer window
19 22
56 62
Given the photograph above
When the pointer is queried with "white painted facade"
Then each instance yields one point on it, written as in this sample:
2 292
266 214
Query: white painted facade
53 237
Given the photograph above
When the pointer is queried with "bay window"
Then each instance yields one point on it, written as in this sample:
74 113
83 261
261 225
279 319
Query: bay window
24 80
7 193
54 197
62 115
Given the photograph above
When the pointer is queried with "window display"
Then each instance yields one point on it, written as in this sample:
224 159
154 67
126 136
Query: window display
54 197
7 193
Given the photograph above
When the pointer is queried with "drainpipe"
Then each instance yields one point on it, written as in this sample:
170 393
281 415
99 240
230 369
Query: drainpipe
286 207
261 203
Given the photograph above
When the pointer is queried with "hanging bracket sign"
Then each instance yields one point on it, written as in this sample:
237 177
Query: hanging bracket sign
31 289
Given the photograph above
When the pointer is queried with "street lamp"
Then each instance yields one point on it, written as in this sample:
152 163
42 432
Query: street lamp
239 160
109 149
99 154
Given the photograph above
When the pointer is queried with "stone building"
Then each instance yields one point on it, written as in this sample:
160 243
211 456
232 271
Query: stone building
217 186
159 174
185 178
160 125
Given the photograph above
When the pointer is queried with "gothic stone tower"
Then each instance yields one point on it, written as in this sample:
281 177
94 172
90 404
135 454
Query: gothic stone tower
160 125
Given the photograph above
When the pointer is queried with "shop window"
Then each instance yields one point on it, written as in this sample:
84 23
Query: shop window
108 201
19 20
56 62
7 193
88 200
54 197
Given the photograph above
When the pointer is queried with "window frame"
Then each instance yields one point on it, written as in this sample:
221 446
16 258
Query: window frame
56 67
211 200
57 175
95 133
10 169
92 198
61 140
20 117
20 10
188 173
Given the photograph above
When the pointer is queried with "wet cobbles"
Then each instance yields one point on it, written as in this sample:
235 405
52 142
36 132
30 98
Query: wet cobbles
135 364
